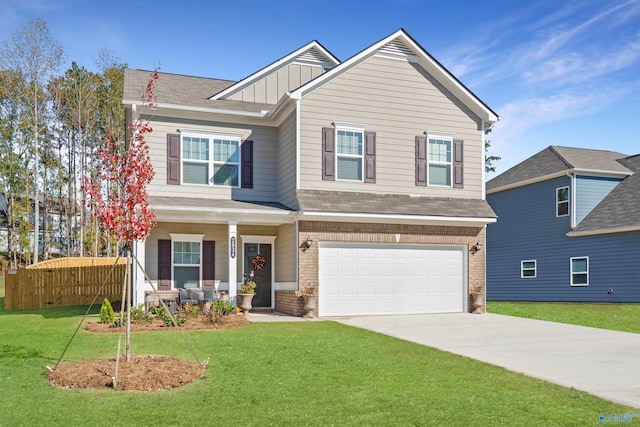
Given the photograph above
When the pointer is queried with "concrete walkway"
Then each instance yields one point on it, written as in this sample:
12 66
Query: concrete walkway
601 362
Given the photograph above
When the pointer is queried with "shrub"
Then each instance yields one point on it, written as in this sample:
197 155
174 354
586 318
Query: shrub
107 316
190 311
140 315
219 311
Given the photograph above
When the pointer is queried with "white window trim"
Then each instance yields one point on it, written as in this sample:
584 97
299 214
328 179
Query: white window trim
568 202
178 237
347 128
429 162
572 272
535 269
211 162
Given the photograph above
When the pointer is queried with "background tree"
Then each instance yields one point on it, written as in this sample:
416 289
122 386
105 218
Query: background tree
34 56
488 160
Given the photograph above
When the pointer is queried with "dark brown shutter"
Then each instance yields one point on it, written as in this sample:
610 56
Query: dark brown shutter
458 163
164 265
328 154
208 264
370 157
421 160
247 164
173 159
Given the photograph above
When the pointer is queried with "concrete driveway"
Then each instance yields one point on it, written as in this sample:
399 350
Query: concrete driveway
601 362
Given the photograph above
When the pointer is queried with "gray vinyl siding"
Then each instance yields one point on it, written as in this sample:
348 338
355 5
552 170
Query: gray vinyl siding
287 162
265 166
399 101
270 88
286 253
528 229
590 191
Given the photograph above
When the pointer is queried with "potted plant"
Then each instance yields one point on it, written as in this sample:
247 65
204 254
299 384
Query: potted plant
308 292
477 295
247 291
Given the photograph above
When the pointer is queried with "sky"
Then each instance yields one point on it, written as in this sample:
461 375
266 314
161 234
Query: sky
557 72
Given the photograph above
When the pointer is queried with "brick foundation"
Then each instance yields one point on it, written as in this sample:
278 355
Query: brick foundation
288 303
390 233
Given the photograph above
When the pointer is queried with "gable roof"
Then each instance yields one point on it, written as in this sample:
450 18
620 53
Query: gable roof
185 93
618 211
311 53
556 161
401 45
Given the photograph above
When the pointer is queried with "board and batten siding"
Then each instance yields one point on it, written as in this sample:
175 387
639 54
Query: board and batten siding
270 88
528 229
286 253
399 101
590 190
265 165
287 162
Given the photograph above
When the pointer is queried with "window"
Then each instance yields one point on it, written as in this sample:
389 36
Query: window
562 201
439 158
349 154
528 269
186 259
580 271
200 167
186 264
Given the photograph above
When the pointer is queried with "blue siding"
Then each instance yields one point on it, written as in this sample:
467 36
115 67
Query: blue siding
528 229
590 190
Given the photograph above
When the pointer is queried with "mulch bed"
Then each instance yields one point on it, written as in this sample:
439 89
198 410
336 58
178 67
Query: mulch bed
143 373
200 322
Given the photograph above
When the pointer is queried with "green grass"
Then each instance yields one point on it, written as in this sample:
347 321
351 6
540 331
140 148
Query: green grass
617 317
281 374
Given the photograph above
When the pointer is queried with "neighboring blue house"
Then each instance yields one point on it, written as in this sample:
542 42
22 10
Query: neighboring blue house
568 228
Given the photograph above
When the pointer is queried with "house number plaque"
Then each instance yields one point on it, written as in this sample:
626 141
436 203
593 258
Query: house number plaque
233 247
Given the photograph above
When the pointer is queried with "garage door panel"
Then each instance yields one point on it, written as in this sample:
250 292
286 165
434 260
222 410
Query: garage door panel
373 279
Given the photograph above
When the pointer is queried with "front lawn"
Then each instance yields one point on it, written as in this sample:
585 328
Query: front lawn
284 374
617 317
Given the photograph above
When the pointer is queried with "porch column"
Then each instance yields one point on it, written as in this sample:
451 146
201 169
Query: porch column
233 259
139 284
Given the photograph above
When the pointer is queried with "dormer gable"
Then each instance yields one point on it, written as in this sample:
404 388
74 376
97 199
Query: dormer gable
270 83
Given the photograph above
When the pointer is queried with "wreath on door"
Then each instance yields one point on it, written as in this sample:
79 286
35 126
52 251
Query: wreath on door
258 262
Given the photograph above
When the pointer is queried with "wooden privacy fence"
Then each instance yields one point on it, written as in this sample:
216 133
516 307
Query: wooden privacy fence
48 287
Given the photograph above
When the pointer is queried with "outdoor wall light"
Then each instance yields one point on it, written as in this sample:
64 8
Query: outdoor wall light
306 244
476 247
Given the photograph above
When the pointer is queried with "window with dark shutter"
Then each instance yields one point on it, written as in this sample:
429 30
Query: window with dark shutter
173 159
458 161
247 164
328 154
164 265
370 157
421 160
208 264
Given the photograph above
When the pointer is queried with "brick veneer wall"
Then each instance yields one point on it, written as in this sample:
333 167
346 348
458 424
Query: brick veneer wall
391 233
288 303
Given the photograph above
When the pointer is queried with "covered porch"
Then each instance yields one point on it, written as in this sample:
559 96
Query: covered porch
208 243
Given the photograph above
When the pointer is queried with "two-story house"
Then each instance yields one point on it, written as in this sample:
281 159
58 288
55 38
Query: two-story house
568 228
364 178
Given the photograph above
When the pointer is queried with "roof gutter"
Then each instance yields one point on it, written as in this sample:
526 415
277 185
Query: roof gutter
261 114
414 219
603 231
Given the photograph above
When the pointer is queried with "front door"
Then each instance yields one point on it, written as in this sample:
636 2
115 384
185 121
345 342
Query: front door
257 259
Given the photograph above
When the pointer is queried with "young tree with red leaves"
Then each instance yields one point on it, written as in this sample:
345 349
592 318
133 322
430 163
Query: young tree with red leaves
119 195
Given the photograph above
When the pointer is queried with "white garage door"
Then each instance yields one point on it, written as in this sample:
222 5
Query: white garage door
378 279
